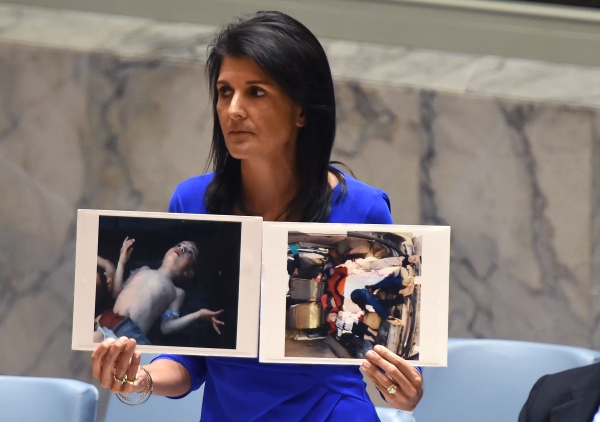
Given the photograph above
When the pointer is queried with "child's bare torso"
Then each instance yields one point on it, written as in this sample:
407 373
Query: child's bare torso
147 296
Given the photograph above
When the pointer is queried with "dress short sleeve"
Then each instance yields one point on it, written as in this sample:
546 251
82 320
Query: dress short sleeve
379 212
195 365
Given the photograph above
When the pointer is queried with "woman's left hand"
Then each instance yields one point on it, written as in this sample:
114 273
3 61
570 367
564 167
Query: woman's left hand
386 370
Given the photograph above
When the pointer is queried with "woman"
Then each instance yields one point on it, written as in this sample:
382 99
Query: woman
274 127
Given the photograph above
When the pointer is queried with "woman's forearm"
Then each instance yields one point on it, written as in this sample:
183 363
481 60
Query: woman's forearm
169 378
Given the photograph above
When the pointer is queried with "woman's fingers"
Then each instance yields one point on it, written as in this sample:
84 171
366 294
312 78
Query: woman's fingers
398 398
124 360
134 365
110 362
98 357
115 359
374 370
385 368
127 366
396 367
373 376
132 372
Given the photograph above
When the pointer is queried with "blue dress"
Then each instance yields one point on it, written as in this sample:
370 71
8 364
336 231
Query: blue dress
242 389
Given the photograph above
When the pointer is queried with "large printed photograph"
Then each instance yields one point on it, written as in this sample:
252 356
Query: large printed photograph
169 282
348 293
330 293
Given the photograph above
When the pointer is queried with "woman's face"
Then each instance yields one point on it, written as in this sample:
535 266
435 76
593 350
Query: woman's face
257 118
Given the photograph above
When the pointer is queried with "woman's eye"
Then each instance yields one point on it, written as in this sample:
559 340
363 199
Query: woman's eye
256 91
224 91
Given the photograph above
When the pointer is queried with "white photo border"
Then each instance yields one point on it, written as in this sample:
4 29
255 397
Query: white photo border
249 282
433 350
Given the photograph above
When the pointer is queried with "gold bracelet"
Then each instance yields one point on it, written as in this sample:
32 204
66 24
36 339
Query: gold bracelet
143 398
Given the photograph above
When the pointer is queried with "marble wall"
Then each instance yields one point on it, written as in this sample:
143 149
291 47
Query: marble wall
70 137
514 179
107 112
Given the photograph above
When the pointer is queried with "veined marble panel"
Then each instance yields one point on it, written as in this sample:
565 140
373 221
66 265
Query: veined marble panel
378 139
513 179
80 131
107 112
43 103
595 218
499 174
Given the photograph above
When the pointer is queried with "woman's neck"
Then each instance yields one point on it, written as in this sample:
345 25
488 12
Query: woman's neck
267 188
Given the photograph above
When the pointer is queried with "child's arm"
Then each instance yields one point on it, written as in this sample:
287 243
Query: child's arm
126 250
109 271
175 323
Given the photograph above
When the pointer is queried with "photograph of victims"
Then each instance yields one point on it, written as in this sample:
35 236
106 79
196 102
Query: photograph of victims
168 282
348 292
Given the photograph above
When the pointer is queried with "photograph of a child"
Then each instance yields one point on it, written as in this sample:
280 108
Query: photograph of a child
348 293
168 282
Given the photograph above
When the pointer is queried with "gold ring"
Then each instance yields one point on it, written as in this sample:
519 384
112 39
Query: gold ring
131 382
392 388
122 381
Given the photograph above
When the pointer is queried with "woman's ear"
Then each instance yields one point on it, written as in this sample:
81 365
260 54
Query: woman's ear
301 117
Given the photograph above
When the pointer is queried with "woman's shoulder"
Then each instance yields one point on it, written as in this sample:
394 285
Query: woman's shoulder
360 187
189 195
361 203
195 184
360 192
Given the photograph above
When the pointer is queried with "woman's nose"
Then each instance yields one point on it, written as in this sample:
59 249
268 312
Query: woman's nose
236 107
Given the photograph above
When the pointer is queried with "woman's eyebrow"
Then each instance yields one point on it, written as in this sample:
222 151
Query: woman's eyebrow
254 82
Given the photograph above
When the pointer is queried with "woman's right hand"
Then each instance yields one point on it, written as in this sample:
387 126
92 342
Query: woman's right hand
112 360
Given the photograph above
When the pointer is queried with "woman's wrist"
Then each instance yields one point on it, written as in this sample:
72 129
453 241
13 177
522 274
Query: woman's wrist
143 380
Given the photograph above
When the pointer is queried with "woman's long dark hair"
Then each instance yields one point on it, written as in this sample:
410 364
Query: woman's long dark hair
287 51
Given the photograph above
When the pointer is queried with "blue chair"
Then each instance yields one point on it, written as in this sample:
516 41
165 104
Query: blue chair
490 380
34 399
